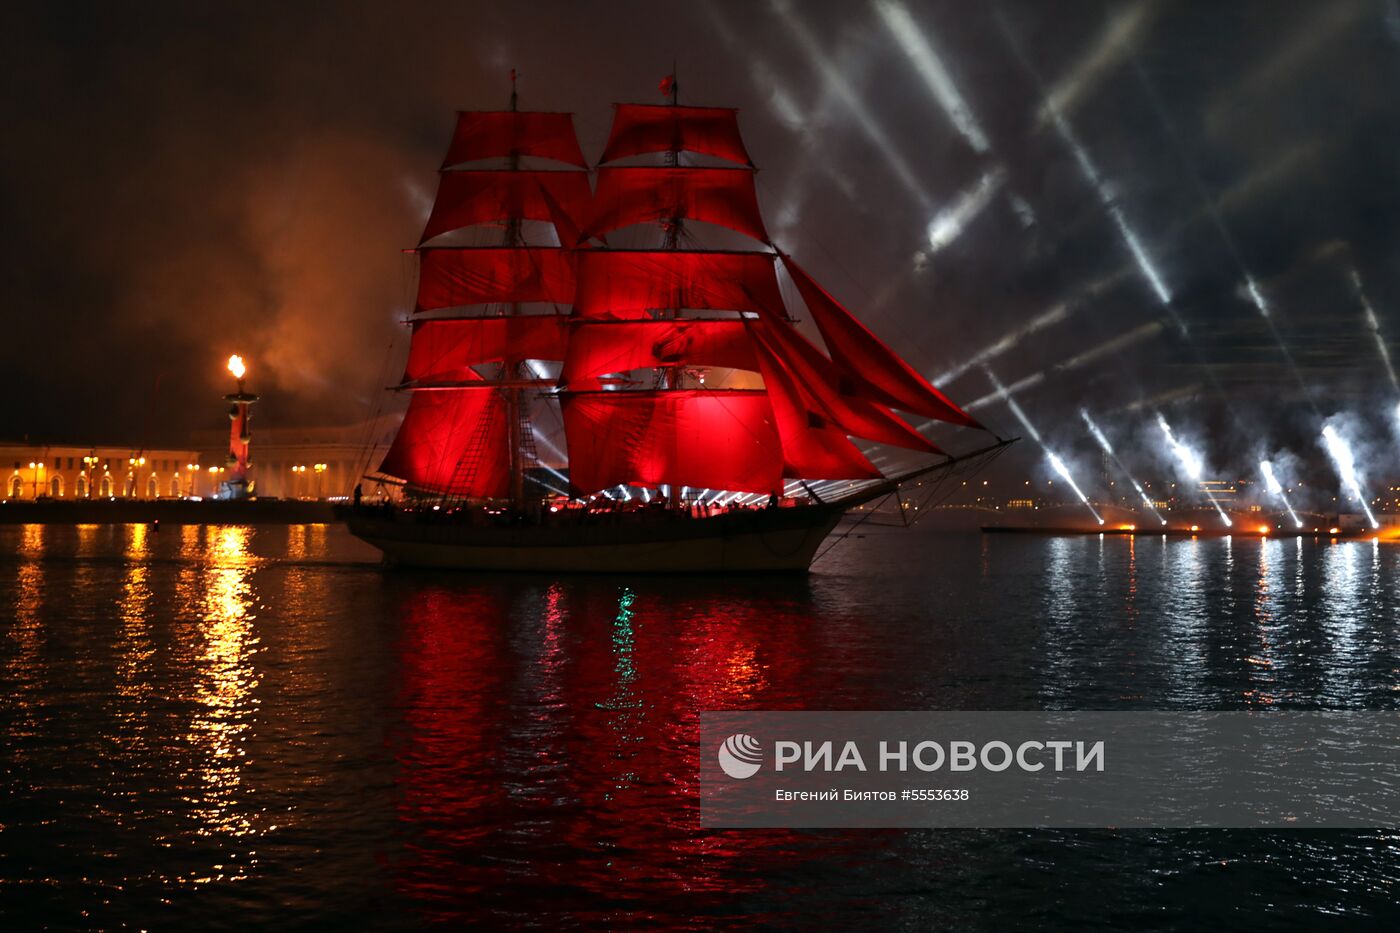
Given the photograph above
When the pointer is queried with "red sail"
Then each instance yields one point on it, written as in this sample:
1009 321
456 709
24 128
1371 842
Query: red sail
684 437
633 195
626 284
813 448
489 275
870 367
474 197
454 442
618 346
818 386
643 128
496 134
445 348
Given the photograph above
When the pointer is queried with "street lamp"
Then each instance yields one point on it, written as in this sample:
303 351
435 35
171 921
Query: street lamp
320 472
36 467
89 466
133 475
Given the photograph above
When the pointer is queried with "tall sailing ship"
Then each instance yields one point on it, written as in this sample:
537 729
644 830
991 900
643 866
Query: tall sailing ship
691 404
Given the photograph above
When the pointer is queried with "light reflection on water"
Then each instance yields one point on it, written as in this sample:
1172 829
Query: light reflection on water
24 641
262 716
226 680
134 608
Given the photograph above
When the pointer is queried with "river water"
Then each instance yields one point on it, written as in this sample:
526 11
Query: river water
247 727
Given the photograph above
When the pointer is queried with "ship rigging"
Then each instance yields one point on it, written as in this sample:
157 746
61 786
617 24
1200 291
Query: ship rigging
672 367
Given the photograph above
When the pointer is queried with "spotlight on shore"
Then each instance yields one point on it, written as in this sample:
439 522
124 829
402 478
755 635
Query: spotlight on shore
1190 460
1345 462
1192 465
1063 471
1276 489
1107 448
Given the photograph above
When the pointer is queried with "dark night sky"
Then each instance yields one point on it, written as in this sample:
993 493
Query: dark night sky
182 181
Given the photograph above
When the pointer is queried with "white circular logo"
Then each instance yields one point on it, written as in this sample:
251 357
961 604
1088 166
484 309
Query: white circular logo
740 756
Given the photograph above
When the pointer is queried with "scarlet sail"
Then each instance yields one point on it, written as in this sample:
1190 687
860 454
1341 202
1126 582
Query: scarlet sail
816 384
812 447
474 197
499 134
445 348
640 194
453 442
681 313
684 437
626 284
597 348
449 277
638 129
872 368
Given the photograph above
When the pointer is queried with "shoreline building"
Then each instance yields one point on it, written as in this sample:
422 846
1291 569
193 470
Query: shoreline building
288 463
308 463
71 471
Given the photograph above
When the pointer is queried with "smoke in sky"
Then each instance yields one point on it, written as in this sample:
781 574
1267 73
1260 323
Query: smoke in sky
183 182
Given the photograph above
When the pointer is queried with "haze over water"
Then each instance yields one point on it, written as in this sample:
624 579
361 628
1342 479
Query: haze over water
250 727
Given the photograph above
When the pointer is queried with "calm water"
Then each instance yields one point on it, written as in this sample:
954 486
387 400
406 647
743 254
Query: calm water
252 727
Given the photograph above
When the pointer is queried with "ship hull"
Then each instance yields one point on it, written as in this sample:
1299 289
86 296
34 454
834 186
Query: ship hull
760 540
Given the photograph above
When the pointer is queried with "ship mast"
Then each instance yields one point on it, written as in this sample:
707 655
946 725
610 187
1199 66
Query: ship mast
464 435
671 377
510 367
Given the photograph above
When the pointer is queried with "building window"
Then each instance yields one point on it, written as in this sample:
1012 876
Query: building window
56 486
81 487
152 488
16 487
175 485
106 486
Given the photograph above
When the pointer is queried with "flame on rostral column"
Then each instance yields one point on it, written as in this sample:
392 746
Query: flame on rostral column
235 366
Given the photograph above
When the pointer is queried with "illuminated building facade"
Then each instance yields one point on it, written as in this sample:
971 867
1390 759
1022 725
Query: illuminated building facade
54 471
305 463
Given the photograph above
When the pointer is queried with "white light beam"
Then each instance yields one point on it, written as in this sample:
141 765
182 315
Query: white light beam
1192 465
1108 449
1055 462
1276 489
1345 462
930 67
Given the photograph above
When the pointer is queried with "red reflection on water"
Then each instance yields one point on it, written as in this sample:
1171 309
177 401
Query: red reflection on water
451 695
547 751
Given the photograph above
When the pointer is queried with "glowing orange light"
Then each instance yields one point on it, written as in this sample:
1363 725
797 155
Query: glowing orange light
1195 527
235 366
1333 531
1263 529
